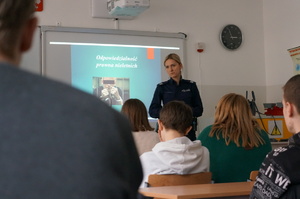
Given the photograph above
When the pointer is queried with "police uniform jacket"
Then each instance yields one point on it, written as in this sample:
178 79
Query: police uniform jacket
167 91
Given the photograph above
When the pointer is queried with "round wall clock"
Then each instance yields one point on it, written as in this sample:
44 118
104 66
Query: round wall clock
231 37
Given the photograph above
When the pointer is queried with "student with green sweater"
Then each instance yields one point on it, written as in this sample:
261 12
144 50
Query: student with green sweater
235 141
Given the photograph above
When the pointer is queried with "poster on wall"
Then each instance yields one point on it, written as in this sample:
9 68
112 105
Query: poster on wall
295 55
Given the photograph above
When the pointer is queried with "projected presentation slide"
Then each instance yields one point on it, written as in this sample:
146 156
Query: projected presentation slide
115 74
113 65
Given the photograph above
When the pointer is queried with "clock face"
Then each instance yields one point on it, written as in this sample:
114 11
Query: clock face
231 37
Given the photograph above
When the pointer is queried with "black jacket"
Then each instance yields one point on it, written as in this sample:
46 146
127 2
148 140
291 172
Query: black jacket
279 174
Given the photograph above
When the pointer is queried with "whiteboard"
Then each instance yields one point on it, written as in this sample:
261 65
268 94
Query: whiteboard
82 56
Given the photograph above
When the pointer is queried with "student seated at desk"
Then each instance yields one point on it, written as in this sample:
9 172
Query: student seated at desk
279 174
144 135
235 142
175 154
57 142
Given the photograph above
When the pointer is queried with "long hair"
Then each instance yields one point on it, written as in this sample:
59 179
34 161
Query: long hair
136 112
235 122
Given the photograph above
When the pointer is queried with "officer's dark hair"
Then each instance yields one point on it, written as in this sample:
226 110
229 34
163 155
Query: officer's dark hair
176 115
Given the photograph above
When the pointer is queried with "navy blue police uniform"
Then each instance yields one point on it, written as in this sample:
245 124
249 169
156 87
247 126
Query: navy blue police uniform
185 91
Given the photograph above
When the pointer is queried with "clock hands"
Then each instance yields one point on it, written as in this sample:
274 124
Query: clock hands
232 37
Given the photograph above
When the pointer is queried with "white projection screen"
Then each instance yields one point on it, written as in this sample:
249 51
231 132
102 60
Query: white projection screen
85 58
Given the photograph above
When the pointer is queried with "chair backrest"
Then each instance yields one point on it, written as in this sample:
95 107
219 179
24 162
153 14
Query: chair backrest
156 180
253 175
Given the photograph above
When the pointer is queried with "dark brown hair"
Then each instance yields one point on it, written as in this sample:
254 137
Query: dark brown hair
291 91
136 112
176 115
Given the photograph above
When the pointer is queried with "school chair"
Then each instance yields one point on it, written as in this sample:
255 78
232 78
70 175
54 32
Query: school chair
253 175
156 180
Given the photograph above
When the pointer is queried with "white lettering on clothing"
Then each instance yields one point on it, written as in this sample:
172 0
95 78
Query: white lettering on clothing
269 171
282 182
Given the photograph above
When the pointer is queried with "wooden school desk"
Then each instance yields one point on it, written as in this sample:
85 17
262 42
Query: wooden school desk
199 190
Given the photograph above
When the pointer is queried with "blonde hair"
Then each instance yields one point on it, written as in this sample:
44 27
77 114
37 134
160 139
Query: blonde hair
174 57
136 112
235 122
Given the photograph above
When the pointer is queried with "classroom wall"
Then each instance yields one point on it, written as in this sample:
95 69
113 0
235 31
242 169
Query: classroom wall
281 31
217 71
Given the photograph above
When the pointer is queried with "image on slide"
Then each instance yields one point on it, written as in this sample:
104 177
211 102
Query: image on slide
111 90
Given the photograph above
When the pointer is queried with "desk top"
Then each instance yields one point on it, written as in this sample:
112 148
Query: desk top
199 190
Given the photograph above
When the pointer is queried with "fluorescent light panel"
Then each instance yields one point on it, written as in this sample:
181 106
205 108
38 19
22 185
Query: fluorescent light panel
114 45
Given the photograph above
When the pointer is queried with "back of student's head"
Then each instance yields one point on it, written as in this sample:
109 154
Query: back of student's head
234 120
13 15
291 91
136 112
176 115
232 107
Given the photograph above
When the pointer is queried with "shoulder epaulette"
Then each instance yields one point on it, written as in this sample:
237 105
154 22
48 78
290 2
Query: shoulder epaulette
162 83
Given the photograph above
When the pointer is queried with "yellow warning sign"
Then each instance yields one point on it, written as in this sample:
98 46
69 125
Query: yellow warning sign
276 131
